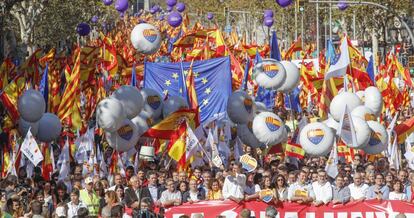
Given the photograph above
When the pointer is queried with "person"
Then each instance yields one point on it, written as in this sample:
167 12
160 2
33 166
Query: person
118 181
61 195
89 197
153 187
358 189
252 189
409 190
75 204
110 199
281 188
120 193
291 178
194 194
300 192
117 211
378 190
234 184
135 192
214 191
271 212
403 177
170 197
206 181
147 209
61 211
341 192
322 189
245 213
100 192
397 193
182 188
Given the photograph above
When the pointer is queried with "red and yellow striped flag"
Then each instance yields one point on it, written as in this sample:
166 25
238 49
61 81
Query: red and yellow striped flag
294 150
72 91
404 129
296 46
191 91
177 145
10 96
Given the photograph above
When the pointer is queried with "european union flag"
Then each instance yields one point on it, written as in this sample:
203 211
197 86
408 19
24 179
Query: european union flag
212 82
293 103
266 96
370 69
44 84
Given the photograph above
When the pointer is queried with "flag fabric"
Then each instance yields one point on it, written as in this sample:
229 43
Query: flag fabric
330 52
64 162
394 157
193 149
246 74
177 145
266 96
30 149
212 81
238 148
404 129
190 87
294 150
274 48
44 84
10 95
409 154
47 166
370 69
346 129
292 101
339 65
134 76
331 167
170 125
296 46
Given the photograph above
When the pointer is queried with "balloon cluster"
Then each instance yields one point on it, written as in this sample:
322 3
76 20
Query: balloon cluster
31 106
268 18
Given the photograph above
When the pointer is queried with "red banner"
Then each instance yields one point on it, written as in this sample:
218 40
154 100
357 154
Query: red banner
230 209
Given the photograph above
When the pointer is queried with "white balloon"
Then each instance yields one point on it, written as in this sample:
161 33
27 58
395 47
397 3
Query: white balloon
378 140
145 38
31 105
269 74
361 95
261 107
131 100
316 139
373 99
363 112
153 102
143 122
49 127
24 127
268 128
240 107
363 132
124 138
245 133
338 103
292 77
173 104
110 114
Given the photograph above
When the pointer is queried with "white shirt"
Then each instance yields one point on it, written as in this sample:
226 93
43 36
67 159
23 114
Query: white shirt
73 209
297 190
322 192
234 186
397 196
168 196
358 192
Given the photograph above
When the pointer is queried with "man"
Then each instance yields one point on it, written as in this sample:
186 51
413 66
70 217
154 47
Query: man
271 212
300 192
134 193
409 190
175 176
245 213
194 194
322 189
291 178
170 197
341 193
206 180
129 172
117 180
89 197
234 184
378 190
197 175
403 177
182 176
75 204
153 187
358 189
141 177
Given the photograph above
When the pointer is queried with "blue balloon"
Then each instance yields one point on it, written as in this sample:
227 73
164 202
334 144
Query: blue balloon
83 29
107 2
180 7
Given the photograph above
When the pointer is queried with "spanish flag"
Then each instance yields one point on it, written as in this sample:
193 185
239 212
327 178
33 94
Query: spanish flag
296 46
294 150
171 124
177 145
404 129
10 96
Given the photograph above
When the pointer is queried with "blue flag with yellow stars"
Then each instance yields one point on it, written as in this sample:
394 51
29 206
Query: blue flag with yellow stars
212 79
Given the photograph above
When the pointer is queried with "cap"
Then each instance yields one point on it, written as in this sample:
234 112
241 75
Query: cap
88 180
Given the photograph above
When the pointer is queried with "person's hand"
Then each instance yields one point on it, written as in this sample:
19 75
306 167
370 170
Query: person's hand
300 201
190 201
335 202
317 203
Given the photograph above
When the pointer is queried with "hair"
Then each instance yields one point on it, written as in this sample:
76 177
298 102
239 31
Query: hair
147 201
198 215
117 211
83 212
271 211
184 216
401 186
379 174
112 195
280 176
210 185
75 191
99 186
36 207
150 173
245 213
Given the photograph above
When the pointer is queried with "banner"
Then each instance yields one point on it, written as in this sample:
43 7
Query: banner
230 209
212 81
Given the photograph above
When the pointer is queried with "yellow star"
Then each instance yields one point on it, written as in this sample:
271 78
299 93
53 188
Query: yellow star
204 80
175 76
181 90
165 92
196 74
205 101
185 72
208 91
167 82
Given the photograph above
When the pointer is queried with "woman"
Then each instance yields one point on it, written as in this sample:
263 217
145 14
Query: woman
214 190
14 207
389 179
120 194
251 189
397 193
111 199
182 187
75 204
281 188
100 192
61 195
267 184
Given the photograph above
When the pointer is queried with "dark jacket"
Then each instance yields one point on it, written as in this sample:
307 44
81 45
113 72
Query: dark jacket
130 196
201 195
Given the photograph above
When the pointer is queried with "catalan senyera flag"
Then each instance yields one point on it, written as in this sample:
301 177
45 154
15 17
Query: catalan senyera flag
72 91
404 129
191 91
296 46
405 74
329 91
177 145
108 54
169 125
294 150
47 167
10 96
48 57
